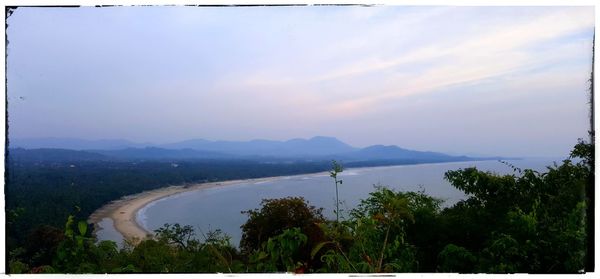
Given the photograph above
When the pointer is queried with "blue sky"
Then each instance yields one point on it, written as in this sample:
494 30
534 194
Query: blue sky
486 80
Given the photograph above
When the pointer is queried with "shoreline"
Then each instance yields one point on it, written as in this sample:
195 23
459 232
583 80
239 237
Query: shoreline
123 212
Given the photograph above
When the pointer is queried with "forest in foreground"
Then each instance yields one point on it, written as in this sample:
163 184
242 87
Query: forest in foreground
526 222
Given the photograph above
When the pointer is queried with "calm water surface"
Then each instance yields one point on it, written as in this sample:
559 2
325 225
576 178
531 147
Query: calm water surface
220 208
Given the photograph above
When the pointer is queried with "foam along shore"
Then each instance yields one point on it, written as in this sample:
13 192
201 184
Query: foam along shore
124 211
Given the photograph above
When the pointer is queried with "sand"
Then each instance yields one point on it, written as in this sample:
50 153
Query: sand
123 212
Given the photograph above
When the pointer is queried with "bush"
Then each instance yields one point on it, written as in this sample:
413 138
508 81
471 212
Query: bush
277 215
456 259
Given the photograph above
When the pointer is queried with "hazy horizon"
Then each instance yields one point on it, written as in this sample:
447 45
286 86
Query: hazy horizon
159 144
508 81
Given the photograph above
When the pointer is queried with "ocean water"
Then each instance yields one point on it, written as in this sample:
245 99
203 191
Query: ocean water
220 208
107 231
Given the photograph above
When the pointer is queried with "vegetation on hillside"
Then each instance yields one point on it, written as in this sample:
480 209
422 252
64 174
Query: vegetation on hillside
44 186
42 194
524 222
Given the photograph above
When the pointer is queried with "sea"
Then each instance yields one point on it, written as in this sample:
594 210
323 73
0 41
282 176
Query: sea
221 207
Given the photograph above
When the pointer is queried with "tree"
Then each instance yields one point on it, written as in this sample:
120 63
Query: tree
456 259
526 222
41 245
281 253
277 215
177 235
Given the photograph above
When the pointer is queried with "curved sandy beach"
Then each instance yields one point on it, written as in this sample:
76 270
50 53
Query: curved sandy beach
123 212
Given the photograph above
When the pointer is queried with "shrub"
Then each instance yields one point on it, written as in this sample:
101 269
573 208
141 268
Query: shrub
278 215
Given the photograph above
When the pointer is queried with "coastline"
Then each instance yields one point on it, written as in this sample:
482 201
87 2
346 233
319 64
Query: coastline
123 212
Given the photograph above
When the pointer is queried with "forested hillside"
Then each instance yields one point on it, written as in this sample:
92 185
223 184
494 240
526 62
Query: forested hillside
46 192
44 185
525 222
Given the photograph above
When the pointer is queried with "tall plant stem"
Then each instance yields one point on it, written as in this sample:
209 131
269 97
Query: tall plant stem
337 204
385 240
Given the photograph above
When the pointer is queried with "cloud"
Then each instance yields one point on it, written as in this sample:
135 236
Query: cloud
496 53
502 48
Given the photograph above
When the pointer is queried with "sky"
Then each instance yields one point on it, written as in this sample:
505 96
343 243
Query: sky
508 81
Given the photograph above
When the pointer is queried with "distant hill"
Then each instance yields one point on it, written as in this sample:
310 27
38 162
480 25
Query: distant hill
53 155
392 152
72 143
314 149
152 153
316 146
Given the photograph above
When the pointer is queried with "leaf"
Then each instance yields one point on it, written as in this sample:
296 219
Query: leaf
82 227
79 240
68 230
317 248
61 254
262 255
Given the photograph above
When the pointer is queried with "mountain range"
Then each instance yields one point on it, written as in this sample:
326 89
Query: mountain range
316 148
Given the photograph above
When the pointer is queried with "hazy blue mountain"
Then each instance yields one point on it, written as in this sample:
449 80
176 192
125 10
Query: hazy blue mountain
316 146
253 147
315 149
151 153
72 143
192 144
53 155
320 145
392 152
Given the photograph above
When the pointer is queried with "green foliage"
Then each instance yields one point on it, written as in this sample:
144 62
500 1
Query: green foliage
277 215
82 226
77 252
335 261
74 253
16 267
374 238
177 235
40 192
526 222
154 256
280 253
41 245
43 269
218 245
456 259
534 222
504 255
585 152
176 250
379 226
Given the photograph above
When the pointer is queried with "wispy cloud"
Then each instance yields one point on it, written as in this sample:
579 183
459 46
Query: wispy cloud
504 48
